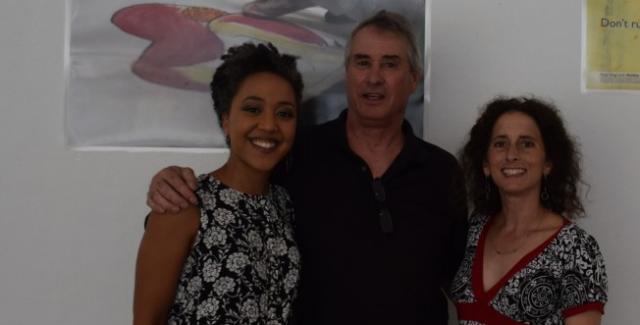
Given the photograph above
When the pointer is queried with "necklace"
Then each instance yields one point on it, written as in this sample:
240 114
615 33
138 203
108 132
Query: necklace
523 242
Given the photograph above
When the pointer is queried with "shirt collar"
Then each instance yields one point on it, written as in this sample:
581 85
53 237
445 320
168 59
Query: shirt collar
409 154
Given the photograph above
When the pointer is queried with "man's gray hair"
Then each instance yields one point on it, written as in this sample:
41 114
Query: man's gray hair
395 23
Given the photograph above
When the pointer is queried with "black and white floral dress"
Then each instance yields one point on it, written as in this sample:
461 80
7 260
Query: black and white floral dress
244 264
562 277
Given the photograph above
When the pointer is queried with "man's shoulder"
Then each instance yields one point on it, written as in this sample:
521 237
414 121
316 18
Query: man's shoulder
325 133
326 128
433 153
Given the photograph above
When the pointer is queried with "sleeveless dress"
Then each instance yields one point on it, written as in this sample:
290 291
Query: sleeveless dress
562 277
244 265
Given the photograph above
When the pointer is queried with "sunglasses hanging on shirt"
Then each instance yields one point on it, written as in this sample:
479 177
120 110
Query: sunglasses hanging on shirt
386 222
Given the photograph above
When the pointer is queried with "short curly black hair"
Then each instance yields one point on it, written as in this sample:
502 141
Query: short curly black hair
244 60
560 149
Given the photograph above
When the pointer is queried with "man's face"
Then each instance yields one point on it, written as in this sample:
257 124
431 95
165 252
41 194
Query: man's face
379 77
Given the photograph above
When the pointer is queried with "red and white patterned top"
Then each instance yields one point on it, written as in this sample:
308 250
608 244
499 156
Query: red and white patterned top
562 277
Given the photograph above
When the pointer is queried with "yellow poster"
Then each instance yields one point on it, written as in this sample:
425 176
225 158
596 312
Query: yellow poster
612 44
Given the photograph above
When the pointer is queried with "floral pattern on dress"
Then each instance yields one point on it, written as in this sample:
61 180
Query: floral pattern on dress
244 265
569 273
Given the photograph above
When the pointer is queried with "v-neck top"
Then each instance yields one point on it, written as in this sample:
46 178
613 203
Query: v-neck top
562 277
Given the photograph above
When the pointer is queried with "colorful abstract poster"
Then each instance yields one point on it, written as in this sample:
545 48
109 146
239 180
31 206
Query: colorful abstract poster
611 58
138 72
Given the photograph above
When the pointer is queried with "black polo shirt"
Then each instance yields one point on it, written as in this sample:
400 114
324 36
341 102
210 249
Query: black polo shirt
353 272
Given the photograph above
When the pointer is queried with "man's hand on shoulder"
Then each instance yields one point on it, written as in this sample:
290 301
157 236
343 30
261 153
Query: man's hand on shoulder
172 189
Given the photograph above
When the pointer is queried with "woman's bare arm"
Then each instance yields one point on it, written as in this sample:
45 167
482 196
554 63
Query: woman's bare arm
165 245
592 317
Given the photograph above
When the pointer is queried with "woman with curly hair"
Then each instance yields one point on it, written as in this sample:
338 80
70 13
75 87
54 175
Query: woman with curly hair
232 259
526 261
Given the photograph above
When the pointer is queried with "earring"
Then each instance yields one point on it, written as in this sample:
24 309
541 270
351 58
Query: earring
544 193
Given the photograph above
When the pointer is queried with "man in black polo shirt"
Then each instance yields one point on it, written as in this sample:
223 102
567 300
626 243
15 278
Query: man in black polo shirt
381 214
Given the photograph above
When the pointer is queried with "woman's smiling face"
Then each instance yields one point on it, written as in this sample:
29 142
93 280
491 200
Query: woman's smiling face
261 122
516 159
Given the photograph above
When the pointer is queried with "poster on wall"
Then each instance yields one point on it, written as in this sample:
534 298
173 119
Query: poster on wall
611 49
139 72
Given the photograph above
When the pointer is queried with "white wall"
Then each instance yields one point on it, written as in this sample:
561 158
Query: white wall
70 221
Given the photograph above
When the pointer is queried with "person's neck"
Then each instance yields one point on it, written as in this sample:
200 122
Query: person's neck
242 179
377 143
520 214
